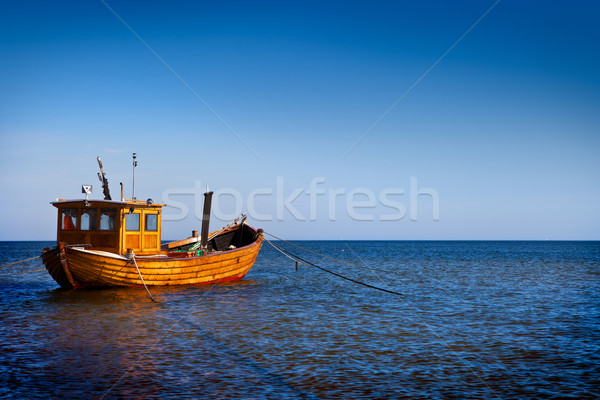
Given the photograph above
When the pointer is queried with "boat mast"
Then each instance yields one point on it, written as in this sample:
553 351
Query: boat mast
133 185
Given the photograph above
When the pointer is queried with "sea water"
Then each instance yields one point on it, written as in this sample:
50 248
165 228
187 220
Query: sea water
466 320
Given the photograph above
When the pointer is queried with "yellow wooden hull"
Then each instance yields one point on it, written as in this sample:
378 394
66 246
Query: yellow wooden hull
91 268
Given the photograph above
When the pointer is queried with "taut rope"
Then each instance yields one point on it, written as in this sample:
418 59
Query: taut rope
18 262
296 258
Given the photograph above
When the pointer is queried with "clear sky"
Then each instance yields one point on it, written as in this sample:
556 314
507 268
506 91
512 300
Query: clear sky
412 120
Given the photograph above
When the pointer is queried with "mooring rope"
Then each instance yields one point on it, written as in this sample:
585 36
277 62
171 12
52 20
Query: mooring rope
330 258
24 272
313 252
142 279
295 257
18 262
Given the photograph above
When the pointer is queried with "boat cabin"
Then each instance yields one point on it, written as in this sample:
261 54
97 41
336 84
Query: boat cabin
113 226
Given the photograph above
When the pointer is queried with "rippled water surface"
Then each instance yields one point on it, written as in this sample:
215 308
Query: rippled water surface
472 320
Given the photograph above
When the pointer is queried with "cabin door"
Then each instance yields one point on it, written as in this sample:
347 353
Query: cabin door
133 233
151 229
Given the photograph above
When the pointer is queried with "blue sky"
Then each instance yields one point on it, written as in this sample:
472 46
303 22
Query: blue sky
258 100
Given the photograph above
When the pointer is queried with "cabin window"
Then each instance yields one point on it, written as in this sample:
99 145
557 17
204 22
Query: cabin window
133 222
107 220
69 219
151 224
88 219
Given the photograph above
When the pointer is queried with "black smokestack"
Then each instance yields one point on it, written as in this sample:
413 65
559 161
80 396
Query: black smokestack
205 220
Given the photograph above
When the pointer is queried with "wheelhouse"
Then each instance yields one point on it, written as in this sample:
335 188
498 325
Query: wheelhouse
113 226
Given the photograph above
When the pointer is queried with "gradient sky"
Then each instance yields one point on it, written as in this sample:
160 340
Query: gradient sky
269 96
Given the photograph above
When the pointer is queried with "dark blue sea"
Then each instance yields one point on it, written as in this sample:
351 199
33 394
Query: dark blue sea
491 320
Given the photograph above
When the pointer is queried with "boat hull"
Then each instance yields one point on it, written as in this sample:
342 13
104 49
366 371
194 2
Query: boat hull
82 268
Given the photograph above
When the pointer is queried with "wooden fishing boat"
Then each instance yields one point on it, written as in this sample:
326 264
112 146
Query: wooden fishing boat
107 243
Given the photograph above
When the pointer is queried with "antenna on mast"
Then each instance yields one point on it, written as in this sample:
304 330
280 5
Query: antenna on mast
133 186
